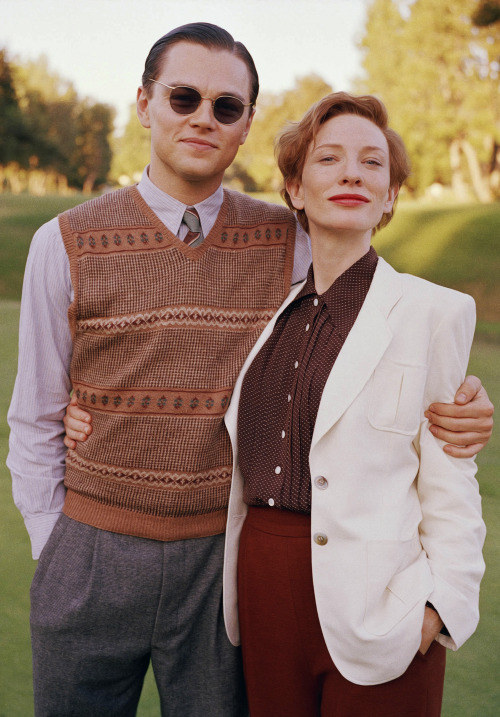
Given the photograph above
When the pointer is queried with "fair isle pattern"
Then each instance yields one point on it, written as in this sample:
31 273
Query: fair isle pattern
161 331
153 402
93 242
179 316
157 479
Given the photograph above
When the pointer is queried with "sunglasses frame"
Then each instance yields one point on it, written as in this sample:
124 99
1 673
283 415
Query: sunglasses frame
211 99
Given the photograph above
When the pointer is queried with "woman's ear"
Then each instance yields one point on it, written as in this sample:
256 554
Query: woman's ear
295 192
391 198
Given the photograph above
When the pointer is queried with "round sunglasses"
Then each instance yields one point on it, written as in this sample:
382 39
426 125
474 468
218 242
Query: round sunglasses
186 100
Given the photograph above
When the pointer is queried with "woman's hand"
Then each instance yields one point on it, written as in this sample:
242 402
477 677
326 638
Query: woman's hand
431 628
465 425
77 424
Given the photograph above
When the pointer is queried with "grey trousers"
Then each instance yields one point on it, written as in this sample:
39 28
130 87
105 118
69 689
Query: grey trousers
104 605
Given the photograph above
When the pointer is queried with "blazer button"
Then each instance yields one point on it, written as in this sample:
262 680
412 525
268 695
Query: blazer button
321 482
320 539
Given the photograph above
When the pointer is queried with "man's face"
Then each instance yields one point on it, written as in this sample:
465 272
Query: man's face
189 153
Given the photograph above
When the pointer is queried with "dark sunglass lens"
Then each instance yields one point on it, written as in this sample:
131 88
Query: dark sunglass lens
184 100
228 109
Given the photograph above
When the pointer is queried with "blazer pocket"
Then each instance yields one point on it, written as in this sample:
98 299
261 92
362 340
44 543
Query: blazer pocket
396 396
393 591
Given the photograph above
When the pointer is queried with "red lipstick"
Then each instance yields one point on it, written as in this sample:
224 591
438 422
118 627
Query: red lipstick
349 200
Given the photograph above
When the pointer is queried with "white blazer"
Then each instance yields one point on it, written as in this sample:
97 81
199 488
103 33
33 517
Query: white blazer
397 521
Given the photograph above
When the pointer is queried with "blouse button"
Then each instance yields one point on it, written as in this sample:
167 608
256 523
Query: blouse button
277 470
270 501
315 302
283 434
296 364
307 327
289 398
320 539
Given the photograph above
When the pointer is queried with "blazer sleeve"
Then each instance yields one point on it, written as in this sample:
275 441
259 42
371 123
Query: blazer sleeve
452 531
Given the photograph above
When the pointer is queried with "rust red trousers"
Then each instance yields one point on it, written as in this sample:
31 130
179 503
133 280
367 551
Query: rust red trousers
288 669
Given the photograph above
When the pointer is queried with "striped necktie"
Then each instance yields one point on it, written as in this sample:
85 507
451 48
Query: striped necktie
191 219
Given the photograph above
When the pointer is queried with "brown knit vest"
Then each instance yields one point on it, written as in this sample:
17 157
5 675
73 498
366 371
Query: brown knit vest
160 333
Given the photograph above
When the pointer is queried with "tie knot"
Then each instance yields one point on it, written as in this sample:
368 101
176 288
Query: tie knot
192 219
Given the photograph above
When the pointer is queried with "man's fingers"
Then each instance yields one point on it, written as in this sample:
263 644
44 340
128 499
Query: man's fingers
464 438
470 387
463 451
69 443
458 425
77 414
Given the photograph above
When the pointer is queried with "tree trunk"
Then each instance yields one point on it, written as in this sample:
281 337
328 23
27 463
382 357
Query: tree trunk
89 182
481 188
458 184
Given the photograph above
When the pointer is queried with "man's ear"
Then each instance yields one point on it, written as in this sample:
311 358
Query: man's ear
295 191
143 107
247 126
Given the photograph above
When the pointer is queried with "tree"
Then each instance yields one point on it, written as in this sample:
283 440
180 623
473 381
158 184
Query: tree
15 137
131 150
91 157
69 137
486 13
438 76
255 166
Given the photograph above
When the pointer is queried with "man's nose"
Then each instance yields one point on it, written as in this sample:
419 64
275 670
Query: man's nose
204 114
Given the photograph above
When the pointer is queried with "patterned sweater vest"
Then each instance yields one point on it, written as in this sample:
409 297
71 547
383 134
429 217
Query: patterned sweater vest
160 332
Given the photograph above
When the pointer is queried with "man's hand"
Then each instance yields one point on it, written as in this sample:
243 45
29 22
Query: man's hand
430 629
465 425
77 424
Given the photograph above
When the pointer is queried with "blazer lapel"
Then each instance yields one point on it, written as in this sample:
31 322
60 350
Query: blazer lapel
362 350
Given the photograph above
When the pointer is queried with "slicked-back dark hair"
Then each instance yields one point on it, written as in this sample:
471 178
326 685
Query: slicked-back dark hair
201 33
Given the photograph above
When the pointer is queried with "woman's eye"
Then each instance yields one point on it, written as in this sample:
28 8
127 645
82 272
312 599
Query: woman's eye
328 159
374 162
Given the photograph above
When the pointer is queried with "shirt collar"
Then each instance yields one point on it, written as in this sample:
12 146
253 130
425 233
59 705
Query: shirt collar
348 290
170 211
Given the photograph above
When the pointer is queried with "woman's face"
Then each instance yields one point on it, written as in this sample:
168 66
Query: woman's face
345 181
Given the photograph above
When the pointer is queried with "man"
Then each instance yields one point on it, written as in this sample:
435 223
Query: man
161 317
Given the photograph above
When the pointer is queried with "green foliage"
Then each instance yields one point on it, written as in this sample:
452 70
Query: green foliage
438 76
47 127
486 13
256 157
91 158
131 151
15 137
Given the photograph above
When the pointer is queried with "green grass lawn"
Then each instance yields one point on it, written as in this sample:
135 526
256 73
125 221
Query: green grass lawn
423 241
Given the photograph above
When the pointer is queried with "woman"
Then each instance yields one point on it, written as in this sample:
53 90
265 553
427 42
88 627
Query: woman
353 542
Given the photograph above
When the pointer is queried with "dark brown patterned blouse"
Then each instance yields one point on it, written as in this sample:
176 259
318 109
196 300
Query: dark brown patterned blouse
282 389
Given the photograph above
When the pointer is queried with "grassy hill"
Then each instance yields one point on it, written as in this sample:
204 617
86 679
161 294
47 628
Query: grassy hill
457 246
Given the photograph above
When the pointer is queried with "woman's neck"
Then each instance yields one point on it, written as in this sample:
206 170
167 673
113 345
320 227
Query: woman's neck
332 255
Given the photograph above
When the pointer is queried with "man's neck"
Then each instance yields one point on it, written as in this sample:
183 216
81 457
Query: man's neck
185 191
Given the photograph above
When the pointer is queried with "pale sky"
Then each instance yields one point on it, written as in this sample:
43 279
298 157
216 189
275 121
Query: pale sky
101 45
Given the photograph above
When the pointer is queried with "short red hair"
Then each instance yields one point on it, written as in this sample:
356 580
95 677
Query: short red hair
293 144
